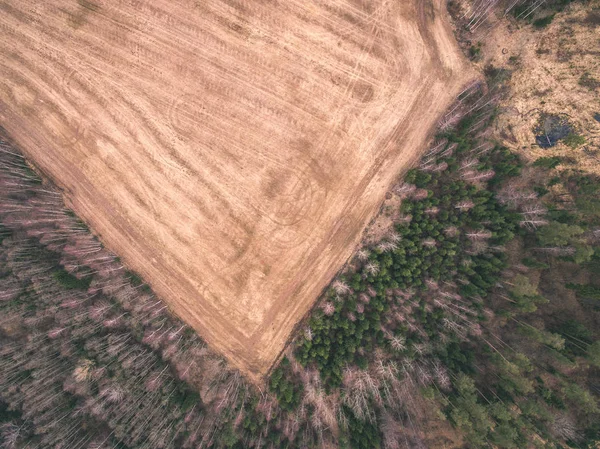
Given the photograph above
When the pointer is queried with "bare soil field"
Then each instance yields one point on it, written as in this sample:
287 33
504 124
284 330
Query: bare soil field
231 152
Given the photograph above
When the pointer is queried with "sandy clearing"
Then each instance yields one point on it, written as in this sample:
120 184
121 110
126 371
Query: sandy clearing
231 152
548 66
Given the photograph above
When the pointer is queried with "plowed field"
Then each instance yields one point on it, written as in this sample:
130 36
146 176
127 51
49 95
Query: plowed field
230 151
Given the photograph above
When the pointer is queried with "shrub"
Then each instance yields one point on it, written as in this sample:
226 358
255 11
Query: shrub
547 162
71 282
281 384
589 81
543 21
574 140
585 290
362 434
593 353
475 51
558 234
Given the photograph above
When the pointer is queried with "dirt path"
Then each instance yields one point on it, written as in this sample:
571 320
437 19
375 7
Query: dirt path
232 151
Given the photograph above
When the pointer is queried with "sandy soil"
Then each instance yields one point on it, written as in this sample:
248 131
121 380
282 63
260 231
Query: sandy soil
232 151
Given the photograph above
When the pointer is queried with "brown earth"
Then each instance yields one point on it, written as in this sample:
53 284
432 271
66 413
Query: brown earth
550 67
231 152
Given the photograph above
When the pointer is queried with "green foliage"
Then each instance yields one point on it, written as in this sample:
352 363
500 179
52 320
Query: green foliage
562 216
593 353
33 177
70 282
504 162
593 265
559 234
468 414
362 434
137 281
535 409
548 162
581 397
542 336
192 399
528 304
533 263
134 278
583 253
586 190
7 414
553 181
588 205
512 374
585 184
522 286
288 392
585 290
543 21
522 10
549 396
591 437
525 294
475 51
434 246
228 436
418 178
457 357
336 338
574 140
577 336
453 236
506 435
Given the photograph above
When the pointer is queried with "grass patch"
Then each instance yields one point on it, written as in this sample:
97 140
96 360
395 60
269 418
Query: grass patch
547 162
543 22
574 140
475 51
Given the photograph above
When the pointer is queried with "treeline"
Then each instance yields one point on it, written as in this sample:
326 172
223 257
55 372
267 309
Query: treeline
539 13
478 311
91 358
450 310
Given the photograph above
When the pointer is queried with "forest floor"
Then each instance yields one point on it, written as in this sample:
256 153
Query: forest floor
230 152
555 72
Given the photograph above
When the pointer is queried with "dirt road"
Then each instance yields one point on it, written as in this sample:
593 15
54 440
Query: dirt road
231 151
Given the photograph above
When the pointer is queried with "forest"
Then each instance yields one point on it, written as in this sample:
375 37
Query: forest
482 302
474 322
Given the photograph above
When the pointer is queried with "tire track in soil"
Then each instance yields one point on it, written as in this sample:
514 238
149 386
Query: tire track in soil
231 152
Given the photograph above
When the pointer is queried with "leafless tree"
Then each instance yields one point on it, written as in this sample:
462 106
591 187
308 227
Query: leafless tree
564 426
328 308
340 287
359 389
